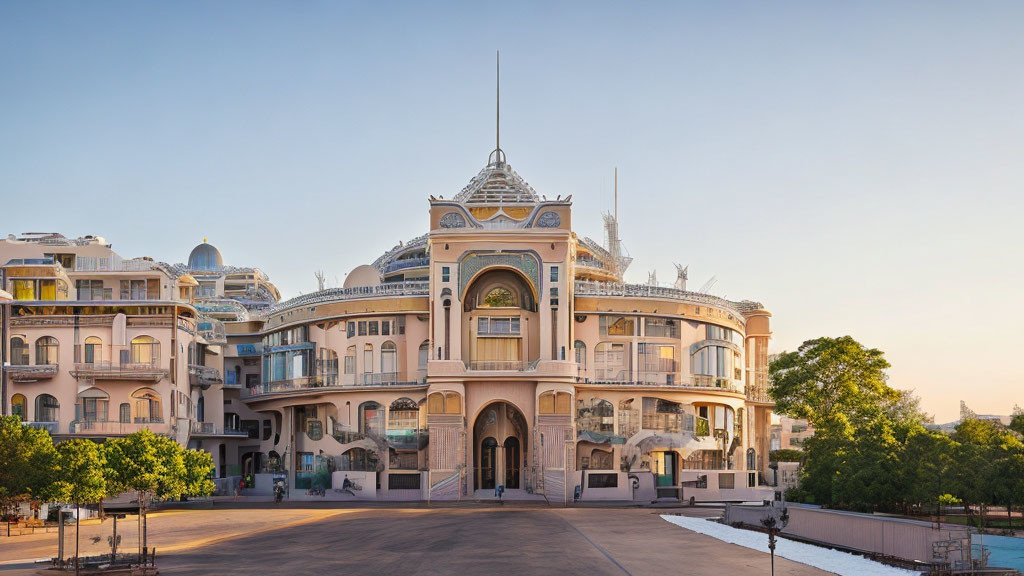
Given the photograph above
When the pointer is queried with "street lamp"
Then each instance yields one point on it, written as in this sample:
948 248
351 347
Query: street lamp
774 521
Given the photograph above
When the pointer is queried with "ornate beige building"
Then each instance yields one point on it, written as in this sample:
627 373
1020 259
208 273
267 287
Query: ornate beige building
498 349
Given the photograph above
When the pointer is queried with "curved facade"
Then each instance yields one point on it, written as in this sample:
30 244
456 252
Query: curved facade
500 349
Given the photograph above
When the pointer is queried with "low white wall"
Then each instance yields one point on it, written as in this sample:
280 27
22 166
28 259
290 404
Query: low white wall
365 483
623 491
741 491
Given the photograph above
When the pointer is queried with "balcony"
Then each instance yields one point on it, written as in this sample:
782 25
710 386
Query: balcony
210 429
666 380
500 366
117 371
203 376
405 264
138 362
112 427
51 427
282 386
31 373
212 331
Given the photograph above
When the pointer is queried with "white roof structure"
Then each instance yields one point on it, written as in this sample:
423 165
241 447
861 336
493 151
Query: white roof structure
497 184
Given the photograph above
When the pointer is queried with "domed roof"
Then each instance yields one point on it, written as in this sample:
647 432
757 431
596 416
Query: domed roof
205 257
362 276
187 280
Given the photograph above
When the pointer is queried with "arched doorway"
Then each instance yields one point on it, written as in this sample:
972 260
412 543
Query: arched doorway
499 435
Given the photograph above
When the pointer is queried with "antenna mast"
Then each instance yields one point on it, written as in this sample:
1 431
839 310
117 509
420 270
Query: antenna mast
616 194
497 111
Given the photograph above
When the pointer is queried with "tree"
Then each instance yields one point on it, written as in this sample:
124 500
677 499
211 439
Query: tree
833 383
156 467
27 460
198 466
79 478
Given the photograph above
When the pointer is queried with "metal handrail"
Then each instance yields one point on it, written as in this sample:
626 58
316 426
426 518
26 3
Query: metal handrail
588 288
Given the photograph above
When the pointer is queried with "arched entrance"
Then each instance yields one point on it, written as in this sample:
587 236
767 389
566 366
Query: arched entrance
499 435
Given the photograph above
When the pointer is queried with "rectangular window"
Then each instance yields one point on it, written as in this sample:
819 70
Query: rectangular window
445 274
362 327
497 326
24 289
90 290
305 462
47 289
400 321
350 329
385 328
554 296
602 480
719 333
374 328
726 481
350 364
554 273
661 328
617 326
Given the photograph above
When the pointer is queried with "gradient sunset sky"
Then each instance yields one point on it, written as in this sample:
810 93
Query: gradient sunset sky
857 167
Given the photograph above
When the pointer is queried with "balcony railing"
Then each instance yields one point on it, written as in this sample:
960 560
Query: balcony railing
110 427
583 288
279 386
380 379
112 264
211 429
669 381
98 362
31 373
501 365
203 376
51 427
404 264
409 288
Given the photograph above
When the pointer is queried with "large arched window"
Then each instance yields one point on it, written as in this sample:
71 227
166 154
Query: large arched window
371 418
581 355
147 406
145 350
424 356
403 414
554 403
444 403
18 407
19 351
388 358
357 460
92 405
498 297
93 350
47 350
47 409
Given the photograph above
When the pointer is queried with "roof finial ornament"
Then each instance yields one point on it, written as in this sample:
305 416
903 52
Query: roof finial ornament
498 156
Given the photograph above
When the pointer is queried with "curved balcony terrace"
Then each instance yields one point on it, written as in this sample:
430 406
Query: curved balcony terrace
607 289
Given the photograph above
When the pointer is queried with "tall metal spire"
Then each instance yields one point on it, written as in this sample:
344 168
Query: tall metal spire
498 156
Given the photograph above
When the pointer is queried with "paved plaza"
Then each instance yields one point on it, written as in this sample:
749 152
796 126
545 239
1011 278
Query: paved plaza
470 540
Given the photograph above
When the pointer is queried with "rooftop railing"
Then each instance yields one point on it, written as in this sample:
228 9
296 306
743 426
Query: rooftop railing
112 264
211 429
410 288
110 427
404 264
584 288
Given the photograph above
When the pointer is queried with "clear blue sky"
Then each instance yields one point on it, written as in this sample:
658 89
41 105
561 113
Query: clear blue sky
855 166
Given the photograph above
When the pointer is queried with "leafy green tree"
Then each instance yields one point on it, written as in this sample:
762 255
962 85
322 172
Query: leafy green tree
833 383
79 478
927 467
1017 423
198 467
27 461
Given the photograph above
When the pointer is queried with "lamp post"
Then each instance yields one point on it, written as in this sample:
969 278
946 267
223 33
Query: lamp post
774 522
